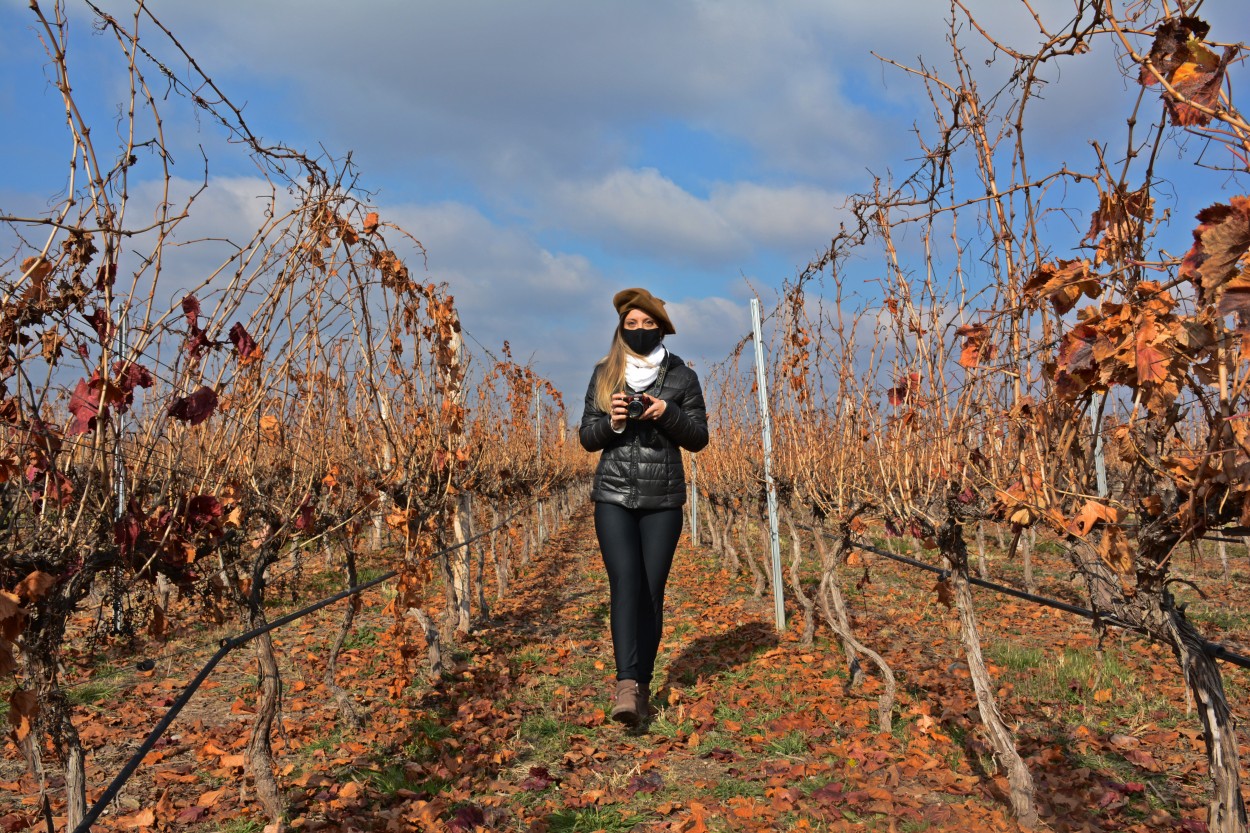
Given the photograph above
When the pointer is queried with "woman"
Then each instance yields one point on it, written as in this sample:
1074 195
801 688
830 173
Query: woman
642 407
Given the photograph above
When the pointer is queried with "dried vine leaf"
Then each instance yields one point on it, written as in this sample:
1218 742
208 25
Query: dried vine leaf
1076 367
1091 513
1116 552
12 615
23 708
1197 84
1170 49
1221 240
195 407
1191 68
36 585
975 346
1063 283
1119 222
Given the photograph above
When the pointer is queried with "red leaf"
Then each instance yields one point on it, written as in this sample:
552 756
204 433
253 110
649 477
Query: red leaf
202 510
84 404
196 407
305 520
243 343
191 308
102 324
131 376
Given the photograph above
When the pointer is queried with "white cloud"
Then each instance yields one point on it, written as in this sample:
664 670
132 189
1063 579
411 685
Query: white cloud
645 213
628 210
797 216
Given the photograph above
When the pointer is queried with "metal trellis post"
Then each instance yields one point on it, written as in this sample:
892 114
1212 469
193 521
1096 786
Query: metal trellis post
774 536
694 501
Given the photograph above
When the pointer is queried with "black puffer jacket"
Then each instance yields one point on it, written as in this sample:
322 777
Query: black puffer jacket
641 468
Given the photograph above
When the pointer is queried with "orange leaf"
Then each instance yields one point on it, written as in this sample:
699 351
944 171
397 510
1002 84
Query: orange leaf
143 818
23 706
1117 554
35 586
1091 513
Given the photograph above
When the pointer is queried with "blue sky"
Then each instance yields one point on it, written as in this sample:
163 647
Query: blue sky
551 152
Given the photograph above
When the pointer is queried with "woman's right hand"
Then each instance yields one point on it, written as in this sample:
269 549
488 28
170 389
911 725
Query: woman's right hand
620 411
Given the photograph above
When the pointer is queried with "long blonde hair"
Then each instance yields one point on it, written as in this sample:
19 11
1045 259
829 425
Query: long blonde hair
611 372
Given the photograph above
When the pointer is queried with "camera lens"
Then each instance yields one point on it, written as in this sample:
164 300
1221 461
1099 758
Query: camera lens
635 407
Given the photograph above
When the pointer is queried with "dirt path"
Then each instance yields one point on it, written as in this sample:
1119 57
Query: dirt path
753 733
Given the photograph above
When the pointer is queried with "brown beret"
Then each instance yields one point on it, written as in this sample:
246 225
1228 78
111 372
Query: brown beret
639 298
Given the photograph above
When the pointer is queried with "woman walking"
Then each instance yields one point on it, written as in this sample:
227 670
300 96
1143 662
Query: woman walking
642 407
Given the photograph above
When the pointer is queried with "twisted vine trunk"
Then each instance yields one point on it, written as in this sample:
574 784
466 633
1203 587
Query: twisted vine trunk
758 574
833 605
1226 812
1151 609
51 710
796 561
498 554
434 644
983 569
460 601
482 604
347 706
259 752
1020 782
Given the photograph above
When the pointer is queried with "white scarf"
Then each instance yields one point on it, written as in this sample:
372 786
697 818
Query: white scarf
641 373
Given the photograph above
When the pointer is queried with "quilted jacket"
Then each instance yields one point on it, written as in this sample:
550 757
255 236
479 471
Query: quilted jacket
641 468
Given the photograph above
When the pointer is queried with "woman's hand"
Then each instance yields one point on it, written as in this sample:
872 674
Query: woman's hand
620 411
655 407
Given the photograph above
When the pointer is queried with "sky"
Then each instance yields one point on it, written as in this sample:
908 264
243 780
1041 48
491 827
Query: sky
548 153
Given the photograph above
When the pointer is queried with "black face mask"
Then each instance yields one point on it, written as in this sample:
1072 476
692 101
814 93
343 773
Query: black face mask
643 342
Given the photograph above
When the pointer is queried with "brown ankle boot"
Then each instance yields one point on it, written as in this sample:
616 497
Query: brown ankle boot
645 710
625 708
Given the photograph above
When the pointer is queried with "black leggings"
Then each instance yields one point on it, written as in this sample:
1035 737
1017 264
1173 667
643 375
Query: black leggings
637 547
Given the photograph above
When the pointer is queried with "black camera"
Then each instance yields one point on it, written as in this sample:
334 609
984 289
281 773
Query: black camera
635 406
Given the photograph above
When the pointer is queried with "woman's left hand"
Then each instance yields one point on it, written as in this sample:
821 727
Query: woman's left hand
655 407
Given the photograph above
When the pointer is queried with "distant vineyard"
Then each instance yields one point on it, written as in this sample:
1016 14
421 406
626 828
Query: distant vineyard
1091 385
168 436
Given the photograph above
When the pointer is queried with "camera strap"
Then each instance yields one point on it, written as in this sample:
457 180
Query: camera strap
658 384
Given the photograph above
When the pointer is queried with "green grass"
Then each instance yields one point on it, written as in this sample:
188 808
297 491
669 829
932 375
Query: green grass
665 726
92 692
790 745
592 819
1220 618
367 574
530 656
362 637
394 778
325 744
1093 689
1016 657
427 733
734 788
241 825
542 726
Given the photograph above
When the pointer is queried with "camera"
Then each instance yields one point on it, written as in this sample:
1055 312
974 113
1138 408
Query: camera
635 406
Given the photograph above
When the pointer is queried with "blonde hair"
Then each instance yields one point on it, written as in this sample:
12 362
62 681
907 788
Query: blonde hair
611 372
